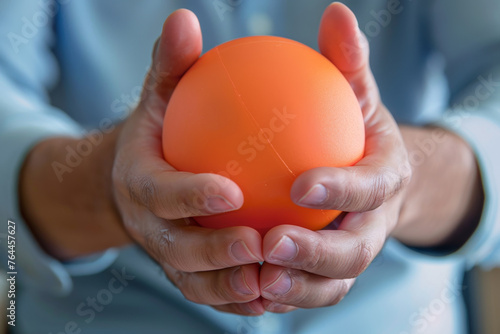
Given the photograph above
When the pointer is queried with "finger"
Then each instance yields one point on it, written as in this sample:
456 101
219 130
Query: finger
219 287
382 173
169 194
276 307
141 171
372 182
340 254
253 308
384 170
178 47
343 43
301 289
340 39
193 248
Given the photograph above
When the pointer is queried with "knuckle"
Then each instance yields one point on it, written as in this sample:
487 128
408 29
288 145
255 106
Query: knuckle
157 245
365 252
194 205
143 190
189 202
389 182
212 259
315 259
217 250
162 247
176 207
346 195
379 191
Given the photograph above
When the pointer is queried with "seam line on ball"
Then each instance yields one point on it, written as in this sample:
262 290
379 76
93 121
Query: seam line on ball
277 155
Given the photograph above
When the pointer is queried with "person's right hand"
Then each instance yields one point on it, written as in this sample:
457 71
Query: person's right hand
213 267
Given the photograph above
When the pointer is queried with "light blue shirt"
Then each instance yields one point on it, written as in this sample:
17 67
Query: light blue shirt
69 68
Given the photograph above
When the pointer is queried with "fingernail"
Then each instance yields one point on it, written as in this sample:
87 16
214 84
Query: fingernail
242 254
315 196
219 204
240 284
285 250
280 286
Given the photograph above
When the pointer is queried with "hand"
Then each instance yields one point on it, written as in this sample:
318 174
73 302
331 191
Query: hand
213 267
310 269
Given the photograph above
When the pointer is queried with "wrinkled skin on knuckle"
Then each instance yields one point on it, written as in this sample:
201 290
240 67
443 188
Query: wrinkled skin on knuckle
142 190
166 251
343 194
160 247
315 256
365 253
212 259
388 183
379 191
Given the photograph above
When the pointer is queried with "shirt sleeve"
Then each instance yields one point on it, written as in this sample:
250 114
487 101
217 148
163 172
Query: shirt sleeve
28 70
467 34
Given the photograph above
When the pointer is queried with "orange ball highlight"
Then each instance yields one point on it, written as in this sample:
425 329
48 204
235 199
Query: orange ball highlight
262 110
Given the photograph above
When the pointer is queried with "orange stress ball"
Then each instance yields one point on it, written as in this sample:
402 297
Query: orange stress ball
260 111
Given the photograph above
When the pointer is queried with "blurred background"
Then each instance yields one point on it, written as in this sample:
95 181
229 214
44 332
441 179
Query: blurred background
483 293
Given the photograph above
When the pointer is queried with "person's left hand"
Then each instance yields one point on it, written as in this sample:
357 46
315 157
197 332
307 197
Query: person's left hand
307 269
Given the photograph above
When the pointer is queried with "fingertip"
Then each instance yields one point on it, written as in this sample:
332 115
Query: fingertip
215 184
275 281
178 23
250 275
341 40
310 189
180 42
248 247
341 13
280 243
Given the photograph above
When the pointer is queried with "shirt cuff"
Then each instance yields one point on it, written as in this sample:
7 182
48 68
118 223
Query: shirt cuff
18 134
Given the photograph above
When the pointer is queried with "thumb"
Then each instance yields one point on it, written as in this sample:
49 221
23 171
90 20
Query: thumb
340 39
343 43
175 51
